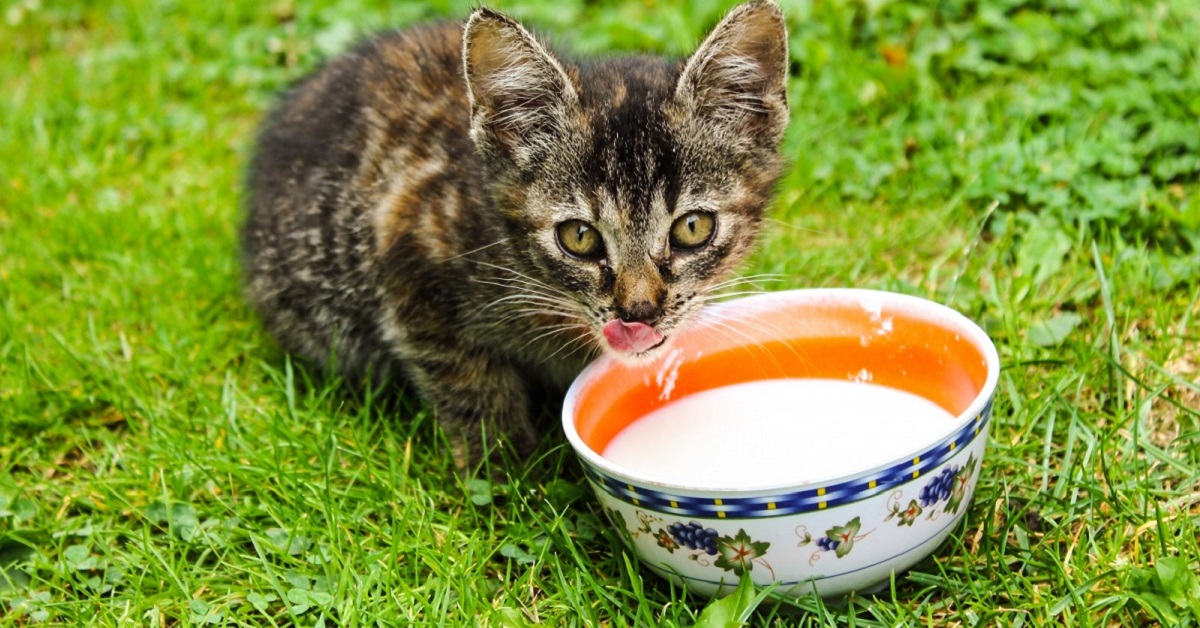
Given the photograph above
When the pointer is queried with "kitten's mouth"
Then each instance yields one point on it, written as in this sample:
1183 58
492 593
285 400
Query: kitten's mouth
632 338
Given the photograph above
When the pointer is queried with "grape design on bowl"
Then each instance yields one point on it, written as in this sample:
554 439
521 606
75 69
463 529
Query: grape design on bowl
736 553
950 486
939 489
695 537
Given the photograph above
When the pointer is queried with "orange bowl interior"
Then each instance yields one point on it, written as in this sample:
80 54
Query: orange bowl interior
895 347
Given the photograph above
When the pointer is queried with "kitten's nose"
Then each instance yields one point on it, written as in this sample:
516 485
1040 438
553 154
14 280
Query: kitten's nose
639 295
639 312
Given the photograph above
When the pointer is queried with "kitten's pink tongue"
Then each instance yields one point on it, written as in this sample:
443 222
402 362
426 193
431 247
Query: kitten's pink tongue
632 337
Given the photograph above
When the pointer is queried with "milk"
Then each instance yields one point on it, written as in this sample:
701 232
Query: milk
775 431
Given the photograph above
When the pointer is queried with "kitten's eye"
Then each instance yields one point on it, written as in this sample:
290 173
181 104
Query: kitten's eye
580 239
692 230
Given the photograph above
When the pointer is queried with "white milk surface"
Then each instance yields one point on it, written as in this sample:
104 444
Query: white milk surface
777 431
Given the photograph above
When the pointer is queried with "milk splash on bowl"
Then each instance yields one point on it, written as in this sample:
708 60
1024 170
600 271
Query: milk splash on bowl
777 431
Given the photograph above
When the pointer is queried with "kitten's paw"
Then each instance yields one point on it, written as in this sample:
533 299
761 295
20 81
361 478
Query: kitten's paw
477 450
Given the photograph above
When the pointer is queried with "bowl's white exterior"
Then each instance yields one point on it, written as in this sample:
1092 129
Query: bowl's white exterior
846 534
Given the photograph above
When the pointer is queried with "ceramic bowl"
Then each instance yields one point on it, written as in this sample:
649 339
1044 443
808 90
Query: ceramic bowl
834 534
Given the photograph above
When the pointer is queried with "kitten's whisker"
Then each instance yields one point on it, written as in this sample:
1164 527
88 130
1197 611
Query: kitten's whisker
580 341
473 251
515 284
791 226
755 322
522 304
766 329
531 312
751 342
527 298
717 298
518 278
724 288
553 331
518 273
591 348
751 320
534 311
522 295
747 279
516 292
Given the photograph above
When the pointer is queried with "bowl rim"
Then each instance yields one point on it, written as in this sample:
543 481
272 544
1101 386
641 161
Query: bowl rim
979 406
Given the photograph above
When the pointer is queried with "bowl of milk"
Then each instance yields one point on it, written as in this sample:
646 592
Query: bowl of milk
817 440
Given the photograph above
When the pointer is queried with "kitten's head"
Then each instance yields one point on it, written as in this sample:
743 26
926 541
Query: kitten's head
633 186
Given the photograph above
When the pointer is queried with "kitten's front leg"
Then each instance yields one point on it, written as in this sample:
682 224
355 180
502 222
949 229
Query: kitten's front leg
479 402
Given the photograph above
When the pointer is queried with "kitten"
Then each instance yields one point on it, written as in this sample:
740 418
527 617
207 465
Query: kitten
462 209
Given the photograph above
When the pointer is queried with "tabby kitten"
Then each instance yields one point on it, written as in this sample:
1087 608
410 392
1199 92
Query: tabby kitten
462 209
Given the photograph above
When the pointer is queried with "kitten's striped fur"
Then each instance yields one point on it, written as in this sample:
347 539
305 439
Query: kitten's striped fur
405 200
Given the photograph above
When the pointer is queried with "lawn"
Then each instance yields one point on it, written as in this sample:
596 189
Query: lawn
1035 164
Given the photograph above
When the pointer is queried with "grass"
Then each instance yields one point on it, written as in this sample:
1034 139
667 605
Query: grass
1034 164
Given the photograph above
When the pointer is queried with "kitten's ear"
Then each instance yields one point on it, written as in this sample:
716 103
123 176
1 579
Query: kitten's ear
736 81
520 94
